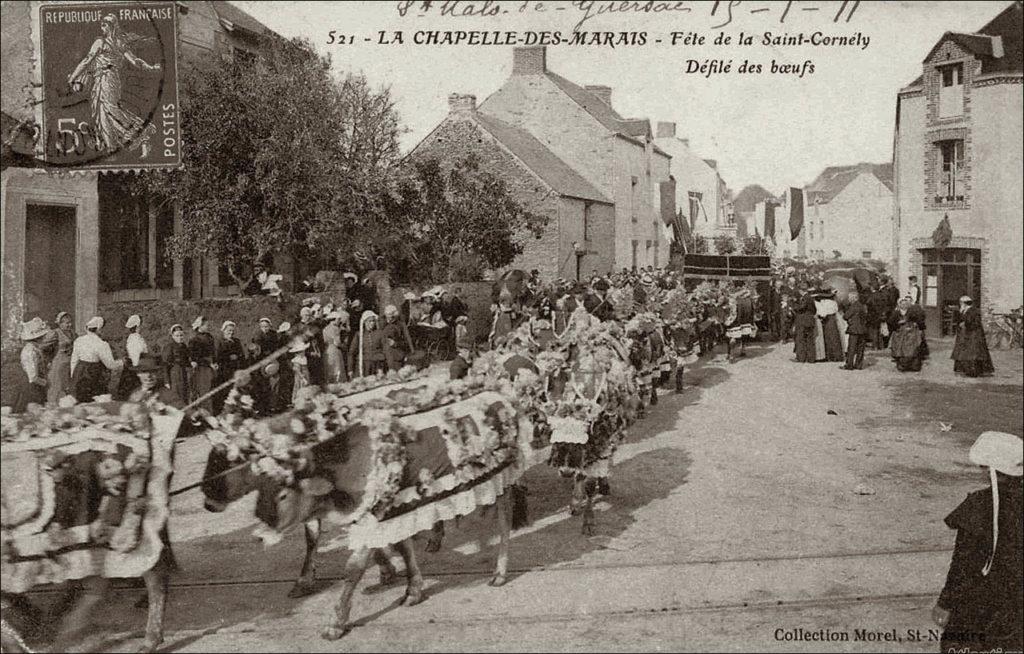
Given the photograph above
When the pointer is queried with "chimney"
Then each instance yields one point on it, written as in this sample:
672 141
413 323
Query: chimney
459 103
665 130
531 60
604 93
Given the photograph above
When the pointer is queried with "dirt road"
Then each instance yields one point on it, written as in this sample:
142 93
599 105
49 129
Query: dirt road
735 522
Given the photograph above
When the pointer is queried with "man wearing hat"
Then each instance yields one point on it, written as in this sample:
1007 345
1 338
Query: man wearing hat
32 389
981 607
91 362
151 385
970 352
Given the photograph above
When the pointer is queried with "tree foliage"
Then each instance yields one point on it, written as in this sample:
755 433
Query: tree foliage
278 155
450 223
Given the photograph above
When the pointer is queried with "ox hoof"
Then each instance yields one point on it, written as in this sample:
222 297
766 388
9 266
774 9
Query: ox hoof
388 578
433 545
334 633
588 529
149 646
301 589
413 597
497 580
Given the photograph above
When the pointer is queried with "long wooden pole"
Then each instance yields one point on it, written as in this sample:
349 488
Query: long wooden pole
256 366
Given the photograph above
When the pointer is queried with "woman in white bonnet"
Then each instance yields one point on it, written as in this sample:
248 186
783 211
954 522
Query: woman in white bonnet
981 607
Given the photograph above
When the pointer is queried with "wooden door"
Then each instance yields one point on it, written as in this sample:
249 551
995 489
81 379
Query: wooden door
49 261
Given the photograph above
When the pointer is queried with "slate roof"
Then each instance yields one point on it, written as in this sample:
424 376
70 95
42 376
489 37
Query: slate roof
834 179
597 108
748 197
1008 26
239 19
540 160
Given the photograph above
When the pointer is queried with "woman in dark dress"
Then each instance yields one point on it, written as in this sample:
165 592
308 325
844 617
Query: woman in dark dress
970 353
827 310
230 358
179 363
905 341
804 325
981 607
201 352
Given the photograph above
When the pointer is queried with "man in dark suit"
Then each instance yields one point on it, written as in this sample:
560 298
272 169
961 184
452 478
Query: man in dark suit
856 316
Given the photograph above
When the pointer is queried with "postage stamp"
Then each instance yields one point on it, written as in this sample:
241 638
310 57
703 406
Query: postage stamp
110 87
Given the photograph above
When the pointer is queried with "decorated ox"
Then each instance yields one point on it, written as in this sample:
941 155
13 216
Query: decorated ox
385 471
85 499
230 481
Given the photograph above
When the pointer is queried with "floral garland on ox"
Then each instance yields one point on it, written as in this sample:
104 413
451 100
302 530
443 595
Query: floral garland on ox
277 446
123 447
584 396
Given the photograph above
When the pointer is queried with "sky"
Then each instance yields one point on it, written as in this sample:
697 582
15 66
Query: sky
776 130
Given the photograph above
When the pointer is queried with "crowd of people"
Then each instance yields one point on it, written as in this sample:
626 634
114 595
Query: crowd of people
874 316
334 343
322 344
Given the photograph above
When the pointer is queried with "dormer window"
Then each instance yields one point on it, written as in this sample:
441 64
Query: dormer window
951 90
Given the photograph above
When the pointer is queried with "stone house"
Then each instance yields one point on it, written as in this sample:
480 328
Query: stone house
700 189
73 241
580 232
958 151
848 209
617 155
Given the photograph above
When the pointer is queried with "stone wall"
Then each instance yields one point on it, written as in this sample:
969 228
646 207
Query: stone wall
459 136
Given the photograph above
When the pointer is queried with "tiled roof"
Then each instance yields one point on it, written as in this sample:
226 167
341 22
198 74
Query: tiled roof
834 179
597 108
238 18
538 158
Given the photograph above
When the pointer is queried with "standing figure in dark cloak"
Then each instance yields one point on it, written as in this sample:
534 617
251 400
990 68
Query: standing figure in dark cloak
201 351
905 341
804 325
981 607
827 309
179 364
970 353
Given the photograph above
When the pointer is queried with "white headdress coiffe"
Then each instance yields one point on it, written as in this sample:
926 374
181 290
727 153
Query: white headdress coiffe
1000 452
367 315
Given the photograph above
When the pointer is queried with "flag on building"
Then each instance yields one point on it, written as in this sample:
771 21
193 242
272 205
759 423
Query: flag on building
796 212
696 206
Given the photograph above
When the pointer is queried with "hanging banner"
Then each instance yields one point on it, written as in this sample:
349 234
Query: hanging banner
110 85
